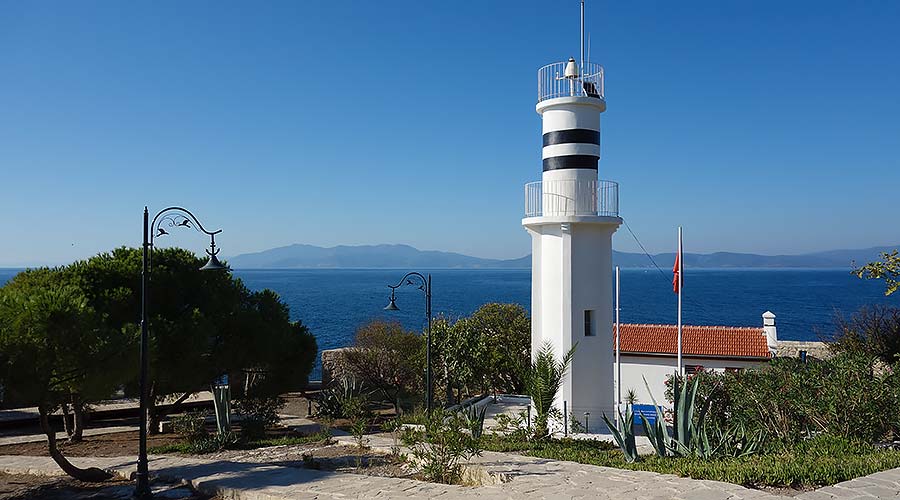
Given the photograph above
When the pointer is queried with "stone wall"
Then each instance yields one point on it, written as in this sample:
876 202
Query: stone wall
792 348
334 365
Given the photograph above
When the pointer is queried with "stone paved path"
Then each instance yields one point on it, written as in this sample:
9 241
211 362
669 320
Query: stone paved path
523 477
528 478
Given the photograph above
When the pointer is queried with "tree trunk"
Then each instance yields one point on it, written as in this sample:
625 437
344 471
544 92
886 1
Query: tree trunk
77 419
91 474
448 393
152 415
176 406
67 424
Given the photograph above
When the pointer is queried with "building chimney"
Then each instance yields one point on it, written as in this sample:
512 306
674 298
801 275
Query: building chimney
770 332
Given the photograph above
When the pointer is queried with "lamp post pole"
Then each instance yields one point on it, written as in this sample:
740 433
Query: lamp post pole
173 217
143 484
425 286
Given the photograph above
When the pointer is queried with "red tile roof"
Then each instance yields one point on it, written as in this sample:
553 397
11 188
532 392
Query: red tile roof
723 341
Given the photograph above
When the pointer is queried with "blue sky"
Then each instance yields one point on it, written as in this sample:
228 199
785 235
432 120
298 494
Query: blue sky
767 127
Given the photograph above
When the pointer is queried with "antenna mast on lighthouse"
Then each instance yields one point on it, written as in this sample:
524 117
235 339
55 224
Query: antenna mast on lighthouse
582 37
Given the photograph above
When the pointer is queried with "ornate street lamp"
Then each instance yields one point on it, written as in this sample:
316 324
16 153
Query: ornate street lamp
424 284
170 217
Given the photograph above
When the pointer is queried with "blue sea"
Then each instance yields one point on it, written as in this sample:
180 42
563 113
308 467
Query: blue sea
333 303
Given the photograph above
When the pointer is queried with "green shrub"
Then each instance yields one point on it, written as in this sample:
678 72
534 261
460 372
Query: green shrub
252 429
417 416
263 409
191 426
565 446
323 436
786 400
486 352
166 449
394 427
442 446
388 359
207 445
873 330
258 413
819 461
514 427
213 443
342 399
358 427
790 469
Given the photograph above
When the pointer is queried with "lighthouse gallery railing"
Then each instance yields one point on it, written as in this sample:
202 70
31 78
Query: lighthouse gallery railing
572 197
552 83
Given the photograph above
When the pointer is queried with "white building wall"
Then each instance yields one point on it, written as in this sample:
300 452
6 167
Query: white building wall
657 368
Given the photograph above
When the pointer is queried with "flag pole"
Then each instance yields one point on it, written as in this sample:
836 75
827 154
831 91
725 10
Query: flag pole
618 354
680 259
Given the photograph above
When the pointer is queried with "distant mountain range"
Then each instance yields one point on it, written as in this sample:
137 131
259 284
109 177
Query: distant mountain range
404 256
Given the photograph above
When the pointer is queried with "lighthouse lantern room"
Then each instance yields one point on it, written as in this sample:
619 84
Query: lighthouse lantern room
571 217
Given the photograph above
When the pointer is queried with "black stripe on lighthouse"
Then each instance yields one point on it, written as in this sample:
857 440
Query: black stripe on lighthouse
570 161
581 135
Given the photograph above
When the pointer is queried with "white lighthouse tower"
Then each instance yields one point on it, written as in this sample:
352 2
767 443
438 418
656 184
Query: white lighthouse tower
571 216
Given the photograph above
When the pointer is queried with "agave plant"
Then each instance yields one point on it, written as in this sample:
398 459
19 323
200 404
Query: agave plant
624 434
693 437
656 433
687 440
689 437
735 441
543 381
342 398
474 418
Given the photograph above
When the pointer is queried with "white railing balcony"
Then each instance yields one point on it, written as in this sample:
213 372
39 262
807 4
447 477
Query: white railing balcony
552 82
572 197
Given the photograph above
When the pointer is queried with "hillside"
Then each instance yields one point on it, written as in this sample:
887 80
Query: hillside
300 256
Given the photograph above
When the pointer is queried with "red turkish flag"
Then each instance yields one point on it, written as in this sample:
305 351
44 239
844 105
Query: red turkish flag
676 271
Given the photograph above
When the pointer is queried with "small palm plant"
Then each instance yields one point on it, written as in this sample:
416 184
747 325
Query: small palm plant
543 381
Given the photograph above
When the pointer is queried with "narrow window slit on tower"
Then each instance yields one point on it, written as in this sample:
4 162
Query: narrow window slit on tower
589 324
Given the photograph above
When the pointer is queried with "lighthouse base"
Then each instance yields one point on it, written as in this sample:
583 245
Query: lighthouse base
572 305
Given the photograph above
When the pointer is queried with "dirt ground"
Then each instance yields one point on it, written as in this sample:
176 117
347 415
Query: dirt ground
324 456
786 492
328 456
118 444
16 487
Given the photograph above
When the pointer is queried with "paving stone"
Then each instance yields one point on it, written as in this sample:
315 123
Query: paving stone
880 491
879 480
815 495
531 478
171 493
